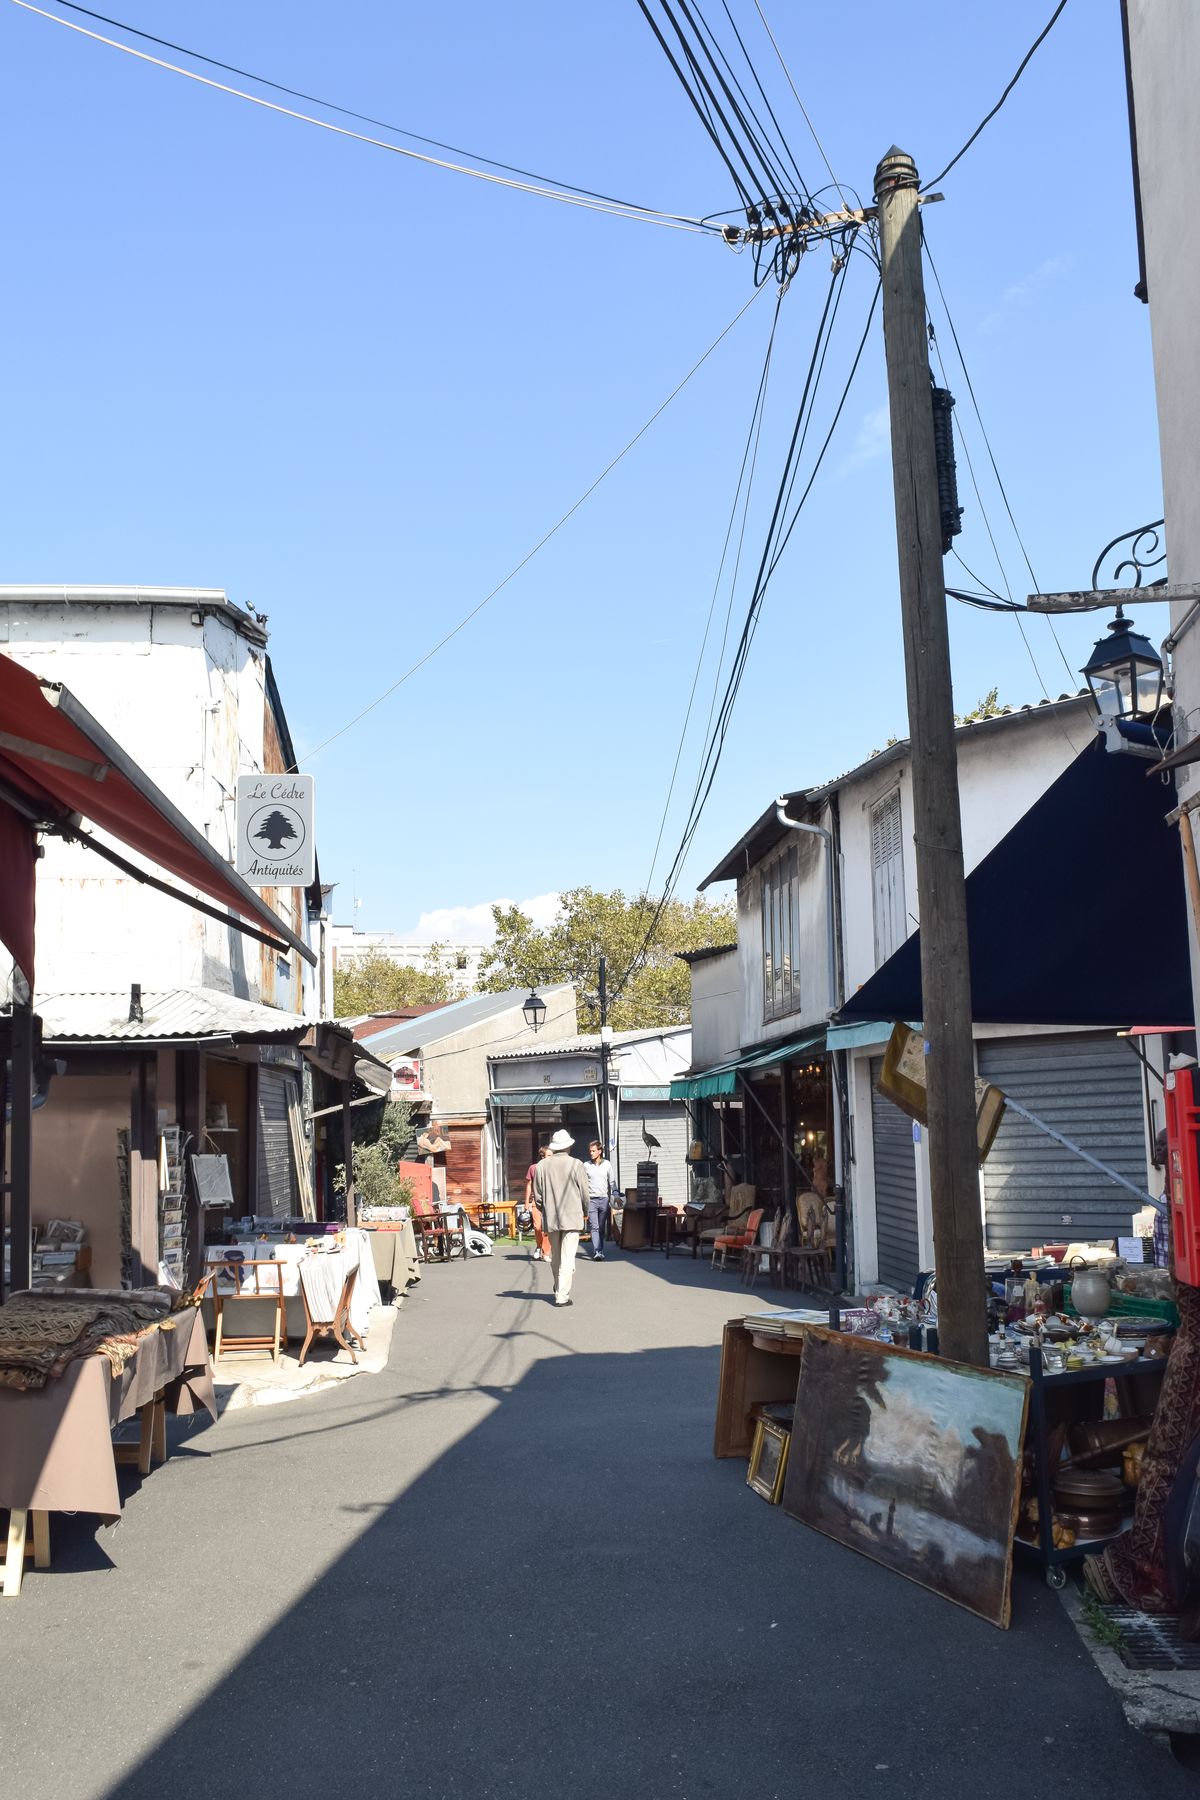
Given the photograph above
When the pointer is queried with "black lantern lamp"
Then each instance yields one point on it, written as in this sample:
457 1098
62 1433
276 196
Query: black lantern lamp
534 1010
1125 674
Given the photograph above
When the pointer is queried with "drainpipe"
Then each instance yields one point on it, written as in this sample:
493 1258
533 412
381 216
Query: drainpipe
831 923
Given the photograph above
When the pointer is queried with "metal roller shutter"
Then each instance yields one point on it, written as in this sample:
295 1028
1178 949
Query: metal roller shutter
1090 1089
670 1125
277 1092
895 1188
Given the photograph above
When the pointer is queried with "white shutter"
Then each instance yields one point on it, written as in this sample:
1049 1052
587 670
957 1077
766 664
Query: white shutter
887 875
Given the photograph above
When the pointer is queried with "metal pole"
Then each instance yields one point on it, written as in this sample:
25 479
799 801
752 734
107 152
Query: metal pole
937 828
20 1170
604 1055
348 1152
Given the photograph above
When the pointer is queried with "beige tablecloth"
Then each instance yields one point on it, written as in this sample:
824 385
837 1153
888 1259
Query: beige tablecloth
56 1450
394 1252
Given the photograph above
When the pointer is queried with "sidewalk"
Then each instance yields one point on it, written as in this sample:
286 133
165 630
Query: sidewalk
509 1566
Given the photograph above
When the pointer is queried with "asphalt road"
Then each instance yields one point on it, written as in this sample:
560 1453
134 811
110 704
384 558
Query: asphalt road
510 1567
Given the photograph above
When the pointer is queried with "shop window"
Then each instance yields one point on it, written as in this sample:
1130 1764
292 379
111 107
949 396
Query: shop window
887 874
781 935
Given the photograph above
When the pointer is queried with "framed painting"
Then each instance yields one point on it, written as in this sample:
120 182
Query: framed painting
768 1460
912 1460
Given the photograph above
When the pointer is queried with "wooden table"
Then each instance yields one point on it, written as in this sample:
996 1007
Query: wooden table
56 1444
755 1368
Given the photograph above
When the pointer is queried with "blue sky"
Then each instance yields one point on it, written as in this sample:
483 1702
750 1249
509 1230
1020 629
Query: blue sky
355 391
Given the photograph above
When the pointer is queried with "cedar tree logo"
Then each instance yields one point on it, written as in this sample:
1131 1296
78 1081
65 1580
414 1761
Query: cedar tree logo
278 829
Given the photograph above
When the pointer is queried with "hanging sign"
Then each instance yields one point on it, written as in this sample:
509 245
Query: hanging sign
276 846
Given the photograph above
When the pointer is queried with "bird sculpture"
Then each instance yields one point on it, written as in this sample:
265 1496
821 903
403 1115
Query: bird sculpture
648 1138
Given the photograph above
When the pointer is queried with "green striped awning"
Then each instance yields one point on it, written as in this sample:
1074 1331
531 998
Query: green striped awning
707 1084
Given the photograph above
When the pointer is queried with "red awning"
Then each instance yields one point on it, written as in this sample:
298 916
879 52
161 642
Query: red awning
57 762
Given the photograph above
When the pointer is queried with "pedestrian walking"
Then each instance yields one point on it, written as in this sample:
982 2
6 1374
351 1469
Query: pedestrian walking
602 1185
540 1241
561 1193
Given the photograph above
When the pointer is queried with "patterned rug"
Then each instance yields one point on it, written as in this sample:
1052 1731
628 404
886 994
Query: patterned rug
41 1334
1134 1568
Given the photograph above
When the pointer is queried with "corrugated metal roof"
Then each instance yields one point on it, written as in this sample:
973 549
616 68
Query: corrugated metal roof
587 1045
459 1015
166 1013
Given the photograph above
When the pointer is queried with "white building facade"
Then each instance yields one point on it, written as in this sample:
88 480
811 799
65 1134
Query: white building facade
795 1079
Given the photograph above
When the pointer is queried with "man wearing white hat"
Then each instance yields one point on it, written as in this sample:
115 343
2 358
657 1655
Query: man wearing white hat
561 1191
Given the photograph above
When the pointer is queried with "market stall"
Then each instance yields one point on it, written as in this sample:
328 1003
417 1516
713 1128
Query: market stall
857 1427
73 1367
317 1265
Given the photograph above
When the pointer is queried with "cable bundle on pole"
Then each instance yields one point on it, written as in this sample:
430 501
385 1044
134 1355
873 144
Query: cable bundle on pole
773 194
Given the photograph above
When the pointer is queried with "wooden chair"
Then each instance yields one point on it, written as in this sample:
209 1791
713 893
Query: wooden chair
239 1271
339 1327
737 1242
812 1258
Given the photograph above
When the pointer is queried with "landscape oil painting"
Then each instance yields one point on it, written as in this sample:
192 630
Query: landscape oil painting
912 1460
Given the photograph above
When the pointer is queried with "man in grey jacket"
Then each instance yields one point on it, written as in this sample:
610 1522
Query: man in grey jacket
561 1191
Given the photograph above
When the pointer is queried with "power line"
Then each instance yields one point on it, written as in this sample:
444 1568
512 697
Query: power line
988 117
749 460
673 221
347 112
542 541
991 454
995 604
795 94
773 549
757 164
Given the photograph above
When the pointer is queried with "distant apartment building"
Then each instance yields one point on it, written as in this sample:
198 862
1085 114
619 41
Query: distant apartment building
460 962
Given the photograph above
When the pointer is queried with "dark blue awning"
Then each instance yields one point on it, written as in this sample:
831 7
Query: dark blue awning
1077 917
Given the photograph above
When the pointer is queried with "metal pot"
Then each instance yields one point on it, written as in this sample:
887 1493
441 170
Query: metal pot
1090 1292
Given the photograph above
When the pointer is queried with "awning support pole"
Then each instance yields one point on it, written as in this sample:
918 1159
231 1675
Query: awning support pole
348 1151
21 1145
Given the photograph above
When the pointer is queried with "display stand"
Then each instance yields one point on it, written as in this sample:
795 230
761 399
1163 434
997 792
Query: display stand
1042 1550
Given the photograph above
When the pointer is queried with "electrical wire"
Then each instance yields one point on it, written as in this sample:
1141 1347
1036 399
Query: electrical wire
795 93
777 537
347 112
758 158
673 221
988 117
749 462
995 604
530 554
1071 673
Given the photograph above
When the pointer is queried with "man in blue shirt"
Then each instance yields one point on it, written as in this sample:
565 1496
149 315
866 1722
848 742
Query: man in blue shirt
602 1185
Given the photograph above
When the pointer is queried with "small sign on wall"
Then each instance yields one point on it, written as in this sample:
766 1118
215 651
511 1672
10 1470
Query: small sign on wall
276 844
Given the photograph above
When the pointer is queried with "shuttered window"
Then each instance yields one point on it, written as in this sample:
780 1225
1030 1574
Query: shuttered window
781 935
887 874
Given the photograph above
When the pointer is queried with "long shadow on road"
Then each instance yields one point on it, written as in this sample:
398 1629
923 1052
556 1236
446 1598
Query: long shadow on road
576 1599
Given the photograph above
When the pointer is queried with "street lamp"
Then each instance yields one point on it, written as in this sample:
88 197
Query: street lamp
1125 674
534 1010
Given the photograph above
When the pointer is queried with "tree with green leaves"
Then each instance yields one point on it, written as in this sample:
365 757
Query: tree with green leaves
379 985
589 924
377 1152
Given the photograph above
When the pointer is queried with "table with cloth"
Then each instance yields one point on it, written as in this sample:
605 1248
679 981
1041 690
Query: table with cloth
56 1440
394 1252
321 1270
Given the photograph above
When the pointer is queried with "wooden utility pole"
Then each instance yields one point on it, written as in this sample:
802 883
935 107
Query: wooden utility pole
937 829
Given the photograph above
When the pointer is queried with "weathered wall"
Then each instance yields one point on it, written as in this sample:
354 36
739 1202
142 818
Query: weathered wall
1164 48
184 693
716 1010
75 1163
